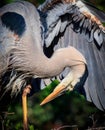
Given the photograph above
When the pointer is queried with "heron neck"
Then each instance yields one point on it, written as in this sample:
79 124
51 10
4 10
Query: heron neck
64 57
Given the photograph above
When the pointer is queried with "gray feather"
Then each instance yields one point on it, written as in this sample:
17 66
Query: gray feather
61 17
14 54
95 84
71 14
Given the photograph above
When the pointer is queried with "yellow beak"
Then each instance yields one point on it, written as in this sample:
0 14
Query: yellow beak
57 91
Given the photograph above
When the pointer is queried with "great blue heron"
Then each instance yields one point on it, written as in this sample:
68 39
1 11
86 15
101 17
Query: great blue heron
29 36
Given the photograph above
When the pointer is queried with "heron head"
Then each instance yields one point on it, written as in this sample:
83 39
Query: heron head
70 82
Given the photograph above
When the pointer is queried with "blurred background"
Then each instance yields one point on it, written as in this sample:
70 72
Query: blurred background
98 3
68 112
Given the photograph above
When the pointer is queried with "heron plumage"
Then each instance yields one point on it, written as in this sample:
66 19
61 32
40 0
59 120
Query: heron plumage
26 57
54 25
87 31
13 50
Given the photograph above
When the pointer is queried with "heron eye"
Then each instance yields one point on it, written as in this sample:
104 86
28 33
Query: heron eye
15 22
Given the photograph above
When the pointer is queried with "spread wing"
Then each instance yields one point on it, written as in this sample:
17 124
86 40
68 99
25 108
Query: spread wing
78 24
57 16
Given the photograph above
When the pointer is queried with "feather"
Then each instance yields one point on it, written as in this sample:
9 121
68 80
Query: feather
54 25
77 28
97 12
78 15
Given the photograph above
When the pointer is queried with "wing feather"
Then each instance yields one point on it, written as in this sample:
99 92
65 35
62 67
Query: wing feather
76 15
97 12
78 30
95 84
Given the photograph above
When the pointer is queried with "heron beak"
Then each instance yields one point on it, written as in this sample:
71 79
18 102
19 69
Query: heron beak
57 92
62 87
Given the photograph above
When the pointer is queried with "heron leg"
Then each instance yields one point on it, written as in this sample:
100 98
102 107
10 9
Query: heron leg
24 105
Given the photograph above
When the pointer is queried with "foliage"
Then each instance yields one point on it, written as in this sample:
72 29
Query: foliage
70 109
